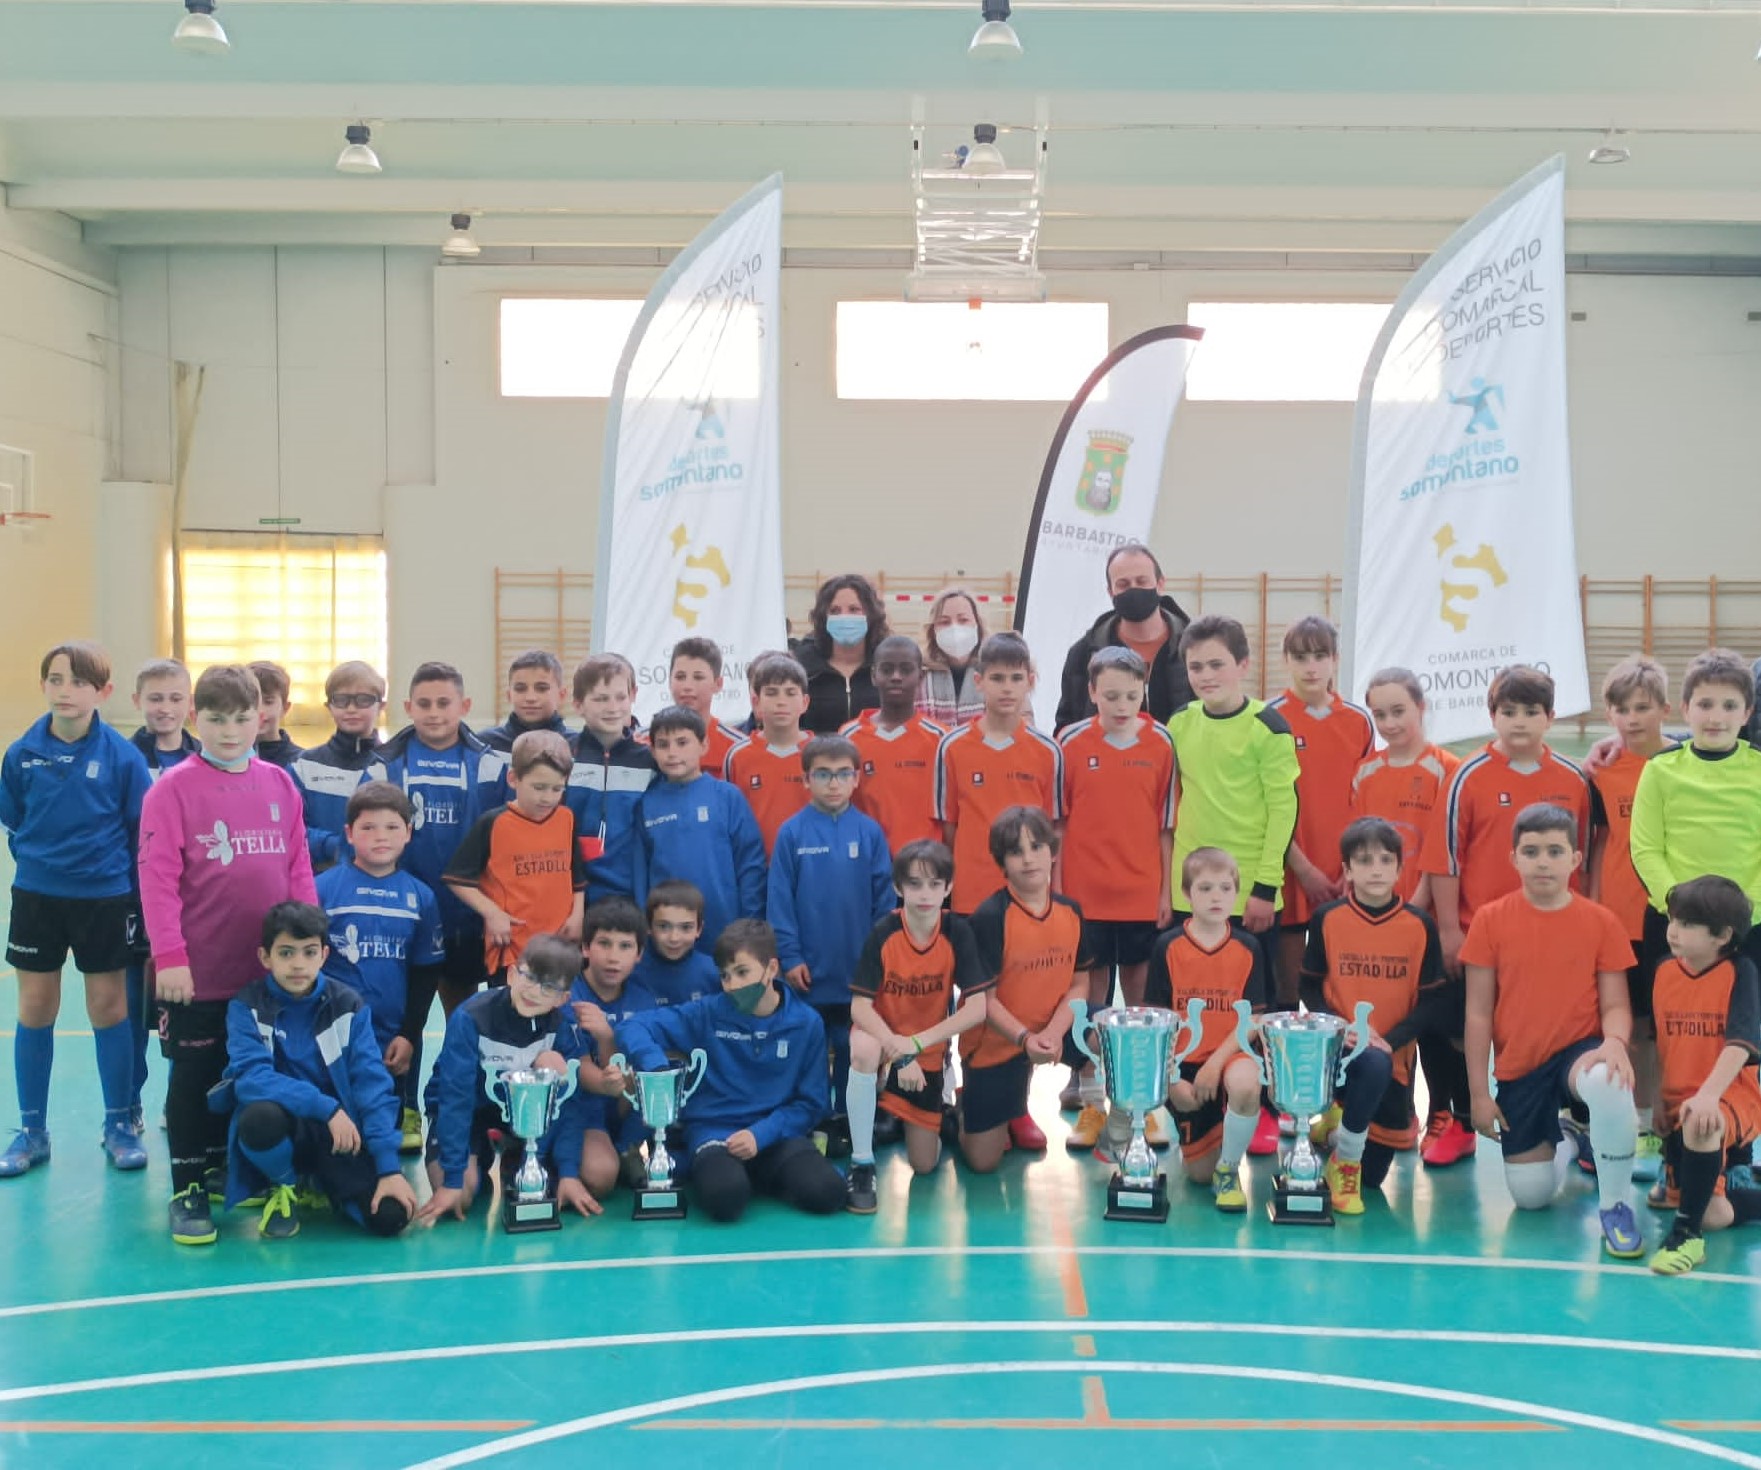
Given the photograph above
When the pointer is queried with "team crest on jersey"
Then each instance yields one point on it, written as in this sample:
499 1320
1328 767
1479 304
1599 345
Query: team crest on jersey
703 814
275 811
410 900
868 768
855 849
755 782
978 778
1503 798
1302 743
91 770
1094 763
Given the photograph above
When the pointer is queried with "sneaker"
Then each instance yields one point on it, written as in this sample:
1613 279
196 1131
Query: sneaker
950 1125
307 1197
1647 1157
1265 1137
1663 1195
1345 1184
137 1120
1155 1132
837 1139
1455 1143
889 1128
1620 1232
1070 1098
192 1223
123 1145
1578 1136
859 1195
1435 1127
1679 1254
1025 1134
29 1147
410 1129
1226 1190
1321 1131
214 1182
1090 1124
279 1221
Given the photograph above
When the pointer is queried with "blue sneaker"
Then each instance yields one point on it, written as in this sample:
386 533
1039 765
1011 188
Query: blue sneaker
1578 1136
1648 1158
123 1145
1620 1232
1740 1176
29 1147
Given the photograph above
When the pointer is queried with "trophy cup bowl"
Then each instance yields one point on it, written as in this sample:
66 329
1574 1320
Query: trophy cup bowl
660 1096
530 1101
1305 1060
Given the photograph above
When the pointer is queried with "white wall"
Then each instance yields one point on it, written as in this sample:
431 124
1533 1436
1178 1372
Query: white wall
333 373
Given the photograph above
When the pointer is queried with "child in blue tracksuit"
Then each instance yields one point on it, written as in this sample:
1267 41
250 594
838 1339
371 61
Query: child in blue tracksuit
699 829
672 968
70 800
749 1123
831 882
311 1095
612 769
328 774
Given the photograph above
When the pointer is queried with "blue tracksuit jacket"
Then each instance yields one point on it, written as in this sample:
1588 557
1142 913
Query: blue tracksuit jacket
605 787
703 831
384 934
673 982
327 776
831 882
449 789
72 811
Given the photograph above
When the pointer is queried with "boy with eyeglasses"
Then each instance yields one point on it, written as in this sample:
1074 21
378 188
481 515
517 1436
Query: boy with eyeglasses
329 773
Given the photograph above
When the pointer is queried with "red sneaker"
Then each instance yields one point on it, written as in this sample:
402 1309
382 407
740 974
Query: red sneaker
1454 1144
1265 1137
1435 1127
1025 1134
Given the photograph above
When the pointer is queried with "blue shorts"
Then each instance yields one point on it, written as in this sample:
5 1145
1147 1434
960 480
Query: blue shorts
1531 1103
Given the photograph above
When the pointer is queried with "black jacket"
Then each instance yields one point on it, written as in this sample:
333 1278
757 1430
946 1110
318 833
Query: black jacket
832 700
279 750
1168 688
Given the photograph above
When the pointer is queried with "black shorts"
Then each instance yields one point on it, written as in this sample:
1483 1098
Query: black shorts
993 1096
1120 941
103 933
920 1109
463 966
482 1150
1531 1103
1201 1131
1653 950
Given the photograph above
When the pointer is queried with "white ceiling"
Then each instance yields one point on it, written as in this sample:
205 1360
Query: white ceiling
589 123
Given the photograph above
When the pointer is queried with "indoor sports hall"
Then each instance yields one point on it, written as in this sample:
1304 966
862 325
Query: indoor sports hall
321 331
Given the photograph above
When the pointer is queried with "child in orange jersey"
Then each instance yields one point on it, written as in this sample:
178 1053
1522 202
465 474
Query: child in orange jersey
694 678
898 748
765 768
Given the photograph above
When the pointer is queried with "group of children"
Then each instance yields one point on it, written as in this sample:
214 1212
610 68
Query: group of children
882 933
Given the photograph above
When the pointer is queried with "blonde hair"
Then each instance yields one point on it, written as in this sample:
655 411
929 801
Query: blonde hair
933 657
354 672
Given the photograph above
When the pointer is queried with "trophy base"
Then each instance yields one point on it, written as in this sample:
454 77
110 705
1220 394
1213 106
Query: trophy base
1290 1206
522 1216
1127 1202
658 1204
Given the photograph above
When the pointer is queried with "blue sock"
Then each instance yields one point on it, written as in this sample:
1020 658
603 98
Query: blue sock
116 1068
33 1058
140 1024
276 1163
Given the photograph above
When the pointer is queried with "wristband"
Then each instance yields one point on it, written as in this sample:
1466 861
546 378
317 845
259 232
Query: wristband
1021 1040
916 1047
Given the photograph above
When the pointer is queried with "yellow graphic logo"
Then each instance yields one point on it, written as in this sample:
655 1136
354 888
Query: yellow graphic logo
692 586
1485 561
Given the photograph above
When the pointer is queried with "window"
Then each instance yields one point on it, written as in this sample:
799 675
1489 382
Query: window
1002 351
307 602
562 348
1282 351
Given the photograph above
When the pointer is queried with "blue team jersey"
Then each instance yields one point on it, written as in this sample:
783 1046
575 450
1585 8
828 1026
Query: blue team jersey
674 982
380 929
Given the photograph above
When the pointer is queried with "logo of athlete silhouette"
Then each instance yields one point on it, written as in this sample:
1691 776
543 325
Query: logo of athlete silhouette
709 422
219 844
1483 402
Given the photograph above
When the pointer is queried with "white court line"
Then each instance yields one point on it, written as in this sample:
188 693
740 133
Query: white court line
1328 1331
913 1252
1517 1408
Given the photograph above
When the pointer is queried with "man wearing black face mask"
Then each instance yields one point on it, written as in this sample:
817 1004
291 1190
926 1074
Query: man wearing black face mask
1144 619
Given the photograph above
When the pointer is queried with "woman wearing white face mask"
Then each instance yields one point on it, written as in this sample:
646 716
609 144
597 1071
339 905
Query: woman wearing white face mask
848 621
949 694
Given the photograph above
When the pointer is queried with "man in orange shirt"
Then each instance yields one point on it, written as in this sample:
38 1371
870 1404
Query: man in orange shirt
765 768
898 748
1546 990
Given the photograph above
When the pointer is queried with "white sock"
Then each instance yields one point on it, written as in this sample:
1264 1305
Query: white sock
1614 1133
1348 1147
859 1096
1237 1135
1090 1091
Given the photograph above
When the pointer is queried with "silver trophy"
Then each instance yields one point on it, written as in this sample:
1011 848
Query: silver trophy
529 1102
660 1098
1308 1059
1136 1060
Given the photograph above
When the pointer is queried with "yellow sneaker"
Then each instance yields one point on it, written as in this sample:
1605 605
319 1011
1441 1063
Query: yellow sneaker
1321 1131
1679 1254
410 1132
1345 1184
1226 1190
1086 1132
1155 1131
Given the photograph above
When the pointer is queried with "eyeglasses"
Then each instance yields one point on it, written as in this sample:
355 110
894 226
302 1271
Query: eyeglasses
355 701
839 777
548 987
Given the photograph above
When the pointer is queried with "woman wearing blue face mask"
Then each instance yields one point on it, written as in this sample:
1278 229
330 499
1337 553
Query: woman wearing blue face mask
848 621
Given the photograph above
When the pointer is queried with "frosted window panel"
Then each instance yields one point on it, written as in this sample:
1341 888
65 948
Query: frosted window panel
562 347
1282 351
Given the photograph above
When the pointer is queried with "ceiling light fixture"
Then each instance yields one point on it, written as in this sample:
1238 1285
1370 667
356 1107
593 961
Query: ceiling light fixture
459 245
1609 151
995 39
198 32
357 156
984 157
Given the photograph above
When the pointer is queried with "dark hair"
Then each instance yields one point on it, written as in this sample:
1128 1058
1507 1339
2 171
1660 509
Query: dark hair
616 915
552 959
227 689
540 748
378 796
924 852
601 668
1521 684
829 748
771 669
297 921
746 936
1405 678
896 643
1713 903
675 893
1128 549
273 681
1201 859
676 717
1367 833
1218 627
1017 822
1119 660
1003 651
538 658
1311 634
878 627
435 672
87 662
706 649
1720 666
1543 816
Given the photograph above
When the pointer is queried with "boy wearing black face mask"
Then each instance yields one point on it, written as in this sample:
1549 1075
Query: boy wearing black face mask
1144 619
764 1086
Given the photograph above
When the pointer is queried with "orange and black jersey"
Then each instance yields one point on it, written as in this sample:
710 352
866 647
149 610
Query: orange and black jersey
916 987
1034 958
1698 1016
531 870
1612 791
1404 795
1118 801
1183 969
1330 746
1390 957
